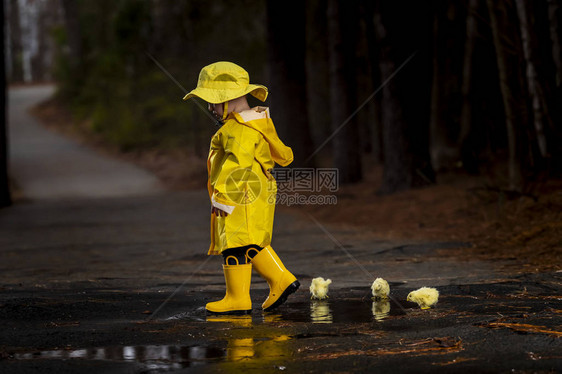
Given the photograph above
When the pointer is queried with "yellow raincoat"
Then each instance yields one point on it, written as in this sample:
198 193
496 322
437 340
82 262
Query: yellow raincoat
241 155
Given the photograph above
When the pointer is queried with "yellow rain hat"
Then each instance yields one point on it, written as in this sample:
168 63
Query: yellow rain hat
224 81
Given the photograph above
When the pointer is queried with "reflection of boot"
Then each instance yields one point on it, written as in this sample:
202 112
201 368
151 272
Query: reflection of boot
241 321
277 348
240 349
281 282
271 318
237 299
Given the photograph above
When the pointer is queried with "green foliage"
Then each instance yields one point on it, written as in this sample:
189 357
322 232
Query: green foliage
128 99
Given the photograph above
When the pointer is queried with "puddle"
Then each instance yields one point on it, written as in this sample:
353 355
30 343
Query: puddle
161 357
364 310
168 357
321 312
313 311
270 338
334 311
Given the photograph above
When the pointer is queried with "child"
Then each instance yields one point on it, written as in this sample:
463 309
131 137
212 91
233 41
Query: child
242 189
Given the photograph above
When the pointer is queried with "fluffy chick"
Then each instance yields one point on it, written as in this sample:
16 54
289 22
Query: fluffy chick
380 289
425 297
319 288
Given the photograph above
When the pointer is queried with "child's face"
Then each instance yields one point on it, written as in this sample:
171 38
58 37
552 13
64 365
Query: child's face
216 110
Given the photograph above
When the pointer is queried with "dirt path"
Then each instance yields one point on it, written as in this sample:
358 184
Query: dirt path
45 165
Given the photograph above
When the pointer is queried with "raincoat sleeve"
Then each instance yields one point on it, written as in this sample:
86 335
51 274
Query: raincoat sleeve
239 150
227 208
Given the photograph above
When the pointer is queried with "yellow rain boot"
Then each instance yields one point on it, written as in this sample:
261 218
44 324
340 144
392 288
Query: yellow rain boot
281 282
237 299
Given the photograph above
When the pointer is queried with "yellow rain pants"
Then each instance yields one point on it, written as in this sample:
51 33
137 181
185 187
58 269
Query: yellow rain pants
242 153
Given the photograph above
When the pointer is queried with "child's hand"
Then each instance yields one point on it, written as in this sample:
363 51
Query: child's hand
217 212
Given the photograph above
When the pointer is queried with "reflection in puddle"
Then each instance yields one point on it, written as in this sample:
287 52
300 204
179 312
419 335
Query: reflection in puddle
242 321
380 309
315 311
323 311
268 318
320 312
258 350
335 311
166 357
246 349
153 356
240 349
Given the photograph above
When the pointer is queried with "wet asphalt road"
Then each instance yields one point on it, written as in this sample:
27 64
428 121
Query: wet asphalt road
48 166
96 284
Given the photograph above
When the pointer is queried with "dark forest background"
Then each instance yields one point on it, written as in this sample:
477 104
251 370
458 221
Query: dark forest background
420 87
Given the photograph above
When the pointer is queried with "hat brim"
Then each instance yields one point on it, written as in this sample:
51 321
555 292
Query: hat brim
214 96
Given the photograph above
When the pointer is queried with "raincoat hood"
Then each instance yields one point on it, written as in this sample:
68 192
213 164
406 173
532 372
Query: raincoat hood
223 81
258 119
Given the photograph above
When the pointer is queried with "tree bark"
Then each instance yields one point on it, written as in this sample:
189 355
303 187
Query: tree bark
554 16
406 94
446 102
508 47
375 123
469 162
342 21
439 146
287 76
537 89
554 11
318 77
5 199
72 23
16 56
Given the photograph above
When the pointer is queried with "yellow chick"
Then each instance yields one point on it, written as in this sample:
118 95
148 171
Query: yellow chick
319 288
425 297
380 288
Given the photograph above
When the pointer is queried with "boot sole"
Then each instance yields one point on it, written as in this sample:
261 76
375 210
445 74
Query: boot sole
230 312
289 290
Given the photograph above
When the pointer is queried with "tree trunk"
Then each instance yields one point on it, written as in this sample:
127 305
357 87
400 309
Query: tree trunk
446 86
72 23
318 77
554 11
537 89
508 46
467 157
439 146
554 15
342 21
287 76
405 101
16 56
5 199
37 60
375 123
